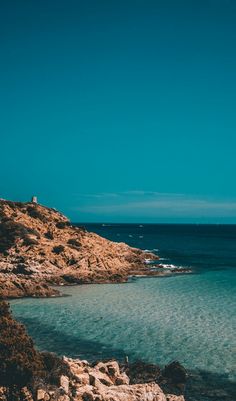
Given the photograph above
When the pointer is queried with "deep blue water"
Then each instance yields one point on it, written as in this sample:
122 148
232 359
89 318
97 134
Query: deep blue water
201 247
191 317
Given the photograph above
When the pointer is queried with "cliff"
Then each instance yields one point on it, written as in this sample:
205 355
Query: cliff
39 247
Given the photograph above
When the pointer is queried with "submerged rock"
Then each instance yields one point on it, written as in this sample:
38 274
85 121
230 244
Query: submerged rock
176 372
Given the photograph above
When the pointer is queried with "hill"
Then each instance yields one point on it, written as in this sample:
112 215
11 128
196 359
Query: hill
39 247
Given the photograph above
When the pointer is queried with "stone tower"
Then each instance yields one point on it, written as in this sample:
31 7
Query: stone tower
34 199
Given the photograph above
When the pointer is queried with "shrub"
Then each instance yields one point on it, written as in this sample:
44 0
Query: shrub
58 249
62 224
36 214
72 262
74 242
19 361
54 367
48 235
10 231
28 241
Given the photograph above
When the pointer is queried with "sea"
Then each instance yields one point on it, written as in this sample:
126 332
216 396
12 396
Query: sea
186 317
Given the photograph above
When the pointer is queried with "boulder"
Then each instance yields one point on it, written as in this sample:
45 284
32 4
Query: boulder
40 394
122 379
101 377
82 379
64 383
172 397
136 392
113 368
176 372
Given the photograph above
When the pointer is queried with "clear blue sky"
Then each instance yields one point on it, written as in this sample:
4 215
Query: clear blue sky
120 110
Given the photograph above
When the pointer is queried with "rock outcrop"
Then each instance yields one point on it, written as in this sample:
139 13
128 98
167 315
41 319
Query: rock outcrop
103 381
39 247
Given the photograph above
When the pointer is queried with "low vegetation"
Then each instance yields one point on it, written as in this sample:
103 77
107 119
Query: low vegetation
19 361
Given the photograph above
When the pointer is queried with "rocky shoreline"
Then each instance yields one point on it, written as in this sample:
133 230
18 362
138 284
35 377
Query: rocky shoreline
40 248
29 375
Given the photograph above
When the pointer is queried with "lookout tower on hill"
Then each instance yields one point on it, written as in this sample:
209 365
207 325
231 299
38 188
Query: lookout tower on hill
34 199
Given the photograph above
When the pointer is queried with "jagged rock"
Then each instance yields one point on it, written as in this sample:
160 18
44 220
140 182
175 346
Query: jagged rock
113 368
172 397
98 382
107 383
122 379
26 394
3 394
64 383
96 376
40 394
63 398
136 392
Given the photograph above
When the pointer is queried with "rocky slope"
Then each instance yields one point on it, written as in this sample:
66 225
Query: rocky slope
39 247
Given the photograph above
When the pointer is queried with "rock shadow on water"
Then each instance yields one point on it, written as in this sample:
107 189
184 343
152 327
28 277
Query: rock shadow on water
201 385
67 344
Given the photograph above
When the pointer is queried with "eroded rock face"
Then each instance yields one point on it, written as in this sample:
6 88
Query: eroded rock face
39 247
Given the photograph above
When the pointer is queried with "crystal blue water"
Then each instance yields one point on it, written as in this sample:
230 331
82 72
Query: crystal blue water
191 318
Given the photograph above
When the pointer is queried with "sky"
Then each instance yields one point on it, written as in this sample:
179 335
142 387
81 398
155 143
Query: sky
120 111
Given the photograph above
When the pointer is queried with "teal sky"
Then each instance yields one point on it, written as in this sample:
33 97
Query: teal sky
120 111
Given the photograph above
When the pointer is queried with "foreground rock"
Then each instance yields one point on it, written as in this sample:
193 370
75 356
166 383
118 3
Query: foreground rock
101 382
39 247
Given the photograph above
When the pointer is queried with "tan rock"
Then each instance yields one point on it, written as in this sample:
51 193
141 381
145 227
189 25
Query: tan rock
122 379
26 394
40 394
64 383
172 397
99 376
82 379
113 368
136 392
84 391
64 397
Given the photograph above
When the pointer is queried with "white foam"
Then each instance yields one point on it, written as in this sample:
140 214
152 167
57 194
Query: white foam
170 266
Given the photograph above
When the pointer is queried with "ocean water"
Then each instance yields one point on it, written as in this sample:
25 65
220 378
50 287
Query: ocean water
190 318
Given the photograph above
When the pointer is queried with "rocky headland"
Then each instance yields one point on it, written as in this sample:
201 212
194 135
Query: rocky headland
39 248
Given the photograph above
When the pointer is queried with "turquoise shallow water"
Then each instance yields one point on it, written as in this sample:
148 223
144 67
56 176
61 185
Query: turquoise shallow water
191 318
